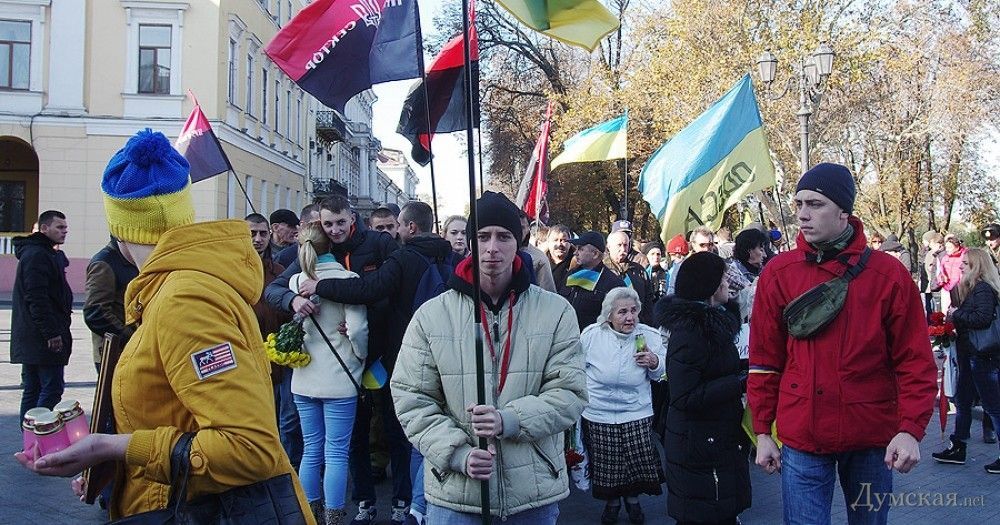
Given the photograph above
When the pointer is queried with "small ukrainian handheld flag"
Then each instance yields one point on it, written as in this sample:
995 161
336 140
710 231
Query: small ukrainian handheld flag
710 165
375 376
586 279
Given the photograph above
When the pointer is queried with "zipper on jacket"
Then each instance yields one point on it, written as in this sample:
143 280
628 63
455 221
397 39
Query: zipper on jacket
715 475
494 320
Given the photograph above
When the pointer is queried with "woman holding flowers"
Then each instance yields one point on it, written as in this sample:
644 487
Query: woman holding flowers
978 371
324 394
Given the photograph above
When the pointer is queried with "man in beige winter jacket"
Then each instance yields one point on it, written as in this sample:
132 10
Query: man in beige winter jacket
536 387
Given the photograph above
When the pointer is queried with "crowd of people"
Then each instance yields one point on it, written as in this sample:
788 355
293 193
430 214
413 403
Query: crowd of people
638 346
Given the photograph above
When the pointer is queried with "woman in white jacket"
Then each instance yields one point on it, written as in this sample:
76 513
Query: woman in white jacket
623 356
325 396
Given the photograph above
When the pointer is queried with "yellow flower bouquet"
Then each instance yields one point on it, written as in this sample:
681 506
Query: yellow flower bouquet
286 347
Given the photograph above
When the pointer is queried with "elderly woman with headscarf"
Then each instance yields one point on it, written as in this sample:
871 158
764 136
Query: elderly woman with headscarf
622 357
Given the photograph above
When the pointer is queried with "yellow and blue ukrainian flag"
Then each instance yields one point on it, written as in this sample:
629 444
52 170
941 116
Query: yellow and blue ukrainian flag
710 165
581 23
605 141
586 279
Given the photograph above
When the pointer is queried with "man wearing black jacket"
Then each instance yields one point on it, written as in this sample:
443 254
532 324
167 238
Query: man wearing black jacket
398 278
587 285
363 252
40 340
617 260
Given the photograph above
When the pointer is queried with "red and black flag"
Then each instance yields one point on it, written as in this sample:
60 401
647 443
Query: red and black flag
440 96
531 195
335 49
199 145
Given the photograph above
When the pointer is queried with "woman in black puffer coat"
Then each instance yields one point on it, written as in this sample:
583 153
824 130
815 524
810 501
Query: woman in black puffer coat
708 477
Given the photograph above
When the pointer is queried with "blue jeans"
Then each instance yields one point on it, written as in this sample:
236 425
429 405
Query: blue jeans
541 516
43 386
326 431
976 374
418 503
289 430
807 486
399 451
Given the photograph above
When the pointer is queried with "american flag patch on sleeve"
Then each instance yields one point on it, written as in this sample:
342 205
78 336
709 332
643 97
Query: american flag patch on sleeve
214 360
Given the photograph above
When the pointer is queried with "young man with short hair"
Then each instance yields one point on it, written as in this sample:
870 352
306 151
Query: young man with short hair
383 219
40 340
270 320
362 251
851 389
535 383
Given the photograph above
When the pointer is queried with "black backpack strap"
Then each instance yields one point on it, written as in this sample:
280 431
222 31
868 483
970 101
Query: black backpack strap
853 271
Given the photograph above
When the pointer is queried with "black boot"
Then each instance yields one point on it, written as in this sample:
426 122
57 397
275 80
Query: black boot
635 514
610 514
954 454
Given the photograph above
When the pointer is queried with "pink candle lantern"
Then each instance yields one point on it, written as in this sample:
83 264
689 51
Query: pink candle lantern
28 431
50 434
73 419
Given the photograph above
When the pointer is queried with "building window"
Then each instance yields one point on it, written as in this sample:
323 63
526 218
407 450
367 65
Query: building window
288 113
154 59
298 120
277 103
15 54
249 189
263 96
263 198
249 95
232 71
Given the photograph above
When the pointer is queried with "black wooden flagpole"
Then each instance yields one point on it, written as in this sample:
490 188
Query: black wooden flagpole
236 176
474 244
427 117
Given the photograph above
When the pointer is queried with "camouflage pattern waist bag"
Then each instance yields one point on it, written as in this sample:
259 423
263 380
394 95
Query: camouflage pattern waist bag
815 309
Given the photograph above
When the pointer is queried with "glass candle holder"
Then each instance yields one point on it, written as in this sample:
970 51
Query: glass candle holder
74 419
28 431
50 434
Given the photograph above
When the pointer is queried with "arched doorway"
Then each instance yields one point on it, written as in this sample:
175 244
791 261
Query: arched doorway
18 185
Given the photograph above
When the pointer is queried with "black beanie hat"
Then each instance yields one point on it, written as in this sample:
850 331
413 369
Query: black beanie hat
495 209
699 276
833 181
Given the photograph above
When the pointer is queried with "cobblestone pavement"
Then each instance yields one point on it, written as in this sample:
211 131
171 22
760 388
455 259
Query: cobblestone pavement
27 498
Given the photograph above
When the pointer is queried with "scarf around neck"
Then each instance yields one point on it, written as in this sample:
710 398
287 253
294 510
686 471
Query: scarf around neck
829 249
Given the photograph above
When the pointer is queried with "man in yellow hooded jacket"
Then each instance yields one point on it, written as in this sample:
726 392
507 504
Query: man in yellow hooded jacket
196 362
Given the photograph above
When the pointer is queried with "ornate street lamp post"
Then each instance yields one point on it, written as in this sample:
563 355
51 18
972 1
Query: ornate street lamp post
811 73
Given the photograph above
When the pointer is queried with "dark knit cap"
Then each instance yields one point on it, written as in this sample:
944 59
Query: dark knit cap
495 209
833 181
650 245
699 276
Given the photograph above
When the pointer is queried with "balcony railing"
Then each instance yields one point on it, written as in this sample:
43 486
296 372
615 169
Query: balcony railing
330 126
7 241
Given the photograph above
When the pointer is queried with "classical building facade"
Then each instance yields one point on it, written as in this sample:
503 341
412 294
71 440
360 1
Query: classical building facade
80 77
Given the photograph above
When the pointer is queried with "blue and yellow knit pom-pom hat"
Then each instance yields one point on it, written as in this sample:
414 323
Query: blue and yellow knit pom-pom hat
147 189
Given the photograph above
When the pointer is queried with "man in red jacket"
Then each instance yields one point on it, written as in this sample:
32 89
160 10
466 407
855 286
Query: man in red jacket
852 396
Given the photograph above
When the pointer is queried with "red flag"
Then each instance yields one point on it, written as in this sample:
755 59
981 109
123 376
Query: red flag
531 194
441 96
335 49
199 145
